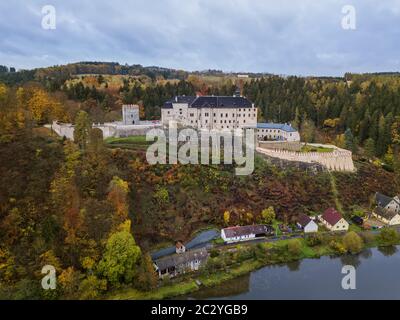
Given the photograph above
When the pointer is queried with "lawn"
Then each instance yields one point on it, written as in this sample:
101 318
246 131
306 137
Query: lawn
132 139
308 148
133 142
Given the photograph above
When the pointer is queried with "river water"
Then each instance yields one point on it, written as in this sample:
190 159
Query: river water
377 277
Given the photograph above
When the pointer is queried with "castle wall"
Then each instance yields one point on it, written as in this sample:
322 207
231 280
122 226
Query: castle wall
109 129
338 160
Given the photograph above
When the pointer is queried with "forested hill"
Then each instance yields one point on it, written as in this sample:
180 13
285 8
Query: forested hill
364 106
94 210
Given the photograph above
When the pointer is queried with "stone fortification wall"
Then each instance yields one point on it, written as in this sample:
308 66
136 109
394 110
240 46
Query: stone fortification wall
337 160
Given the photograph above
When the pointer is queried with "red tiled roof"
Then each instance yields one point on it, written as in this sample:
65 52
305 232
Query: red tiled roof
331 216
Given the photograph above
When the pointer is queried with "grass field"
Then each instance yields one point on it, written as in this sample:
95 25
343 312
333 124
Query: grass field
308 148
132 143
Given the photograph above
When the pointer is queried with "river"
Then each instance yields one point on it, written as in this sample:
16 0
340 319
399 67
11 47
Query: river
377 277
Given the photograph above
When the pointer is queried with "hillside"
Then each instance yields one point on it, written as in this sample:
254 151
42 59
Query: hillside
86 206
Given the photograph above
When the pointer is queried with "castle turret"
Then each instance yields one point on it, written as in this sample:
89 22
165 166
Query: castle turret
130 114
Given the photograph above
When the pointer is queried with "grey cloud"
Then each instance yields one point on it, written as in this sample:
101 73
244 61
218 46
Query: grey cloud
285 37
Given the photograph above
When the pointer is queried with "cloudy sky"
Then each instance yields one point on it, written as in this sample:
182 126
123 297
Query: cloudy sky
302 37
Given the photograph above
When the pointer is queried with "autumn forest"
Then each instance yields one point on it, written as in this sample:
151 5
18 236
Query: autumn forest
95 210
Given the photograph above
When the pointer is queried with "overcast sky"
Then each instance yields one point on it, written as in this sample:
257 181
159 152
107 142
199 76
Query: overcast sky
278 36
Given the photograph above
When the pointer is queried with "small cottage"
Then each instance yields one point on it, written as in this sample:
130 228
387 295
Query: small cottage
181 263
307 224
179 247
333 220
389 217
245 233
387 203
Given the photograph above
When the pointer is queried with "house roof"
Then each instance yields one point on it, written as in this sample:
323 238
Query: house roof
303 220
382 200
278 126
331 216
180 259
387 214
211 102
246 230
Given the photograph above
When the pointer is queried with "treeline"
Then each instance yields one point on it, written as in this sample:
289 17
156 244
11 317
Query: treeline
113 68
368 109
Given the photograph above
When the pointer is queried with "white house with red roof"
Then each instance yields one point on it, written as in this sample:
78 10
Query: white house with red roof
333 220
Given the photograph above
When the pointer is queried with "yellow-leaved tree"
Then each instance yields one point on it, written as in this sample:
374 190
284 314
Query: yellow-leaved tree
43 108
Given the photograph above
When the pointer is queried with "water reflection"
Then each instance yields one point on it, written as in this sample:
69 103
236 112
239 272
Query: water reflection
316 279
352 260
294 265
388 251
234 287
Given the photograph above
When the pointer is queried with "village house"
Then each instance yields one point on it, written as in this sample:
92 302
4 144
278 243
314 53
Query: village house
245 233
181 263
307 224
387 203
333 220
387 209
179 247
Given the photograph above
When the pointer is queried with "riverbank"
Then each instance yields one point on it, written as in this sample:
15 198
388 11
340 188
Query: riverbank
227 263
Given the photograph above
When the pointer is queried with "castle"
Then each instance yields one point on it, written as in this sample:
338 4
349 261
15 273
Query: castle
221 113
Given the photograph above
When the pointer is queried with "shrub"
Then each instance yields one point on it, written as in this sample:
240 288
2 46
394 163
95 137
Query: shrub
337 247
313 240
353 242
294 247
388 237
214 253
367 237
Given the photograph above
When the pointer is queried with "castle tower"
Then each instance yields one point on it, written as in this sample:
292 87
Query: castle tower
130 114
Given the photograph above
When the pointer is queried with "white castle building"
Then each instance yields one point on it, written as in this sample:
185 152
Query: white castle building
277 132
210 112
221 113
